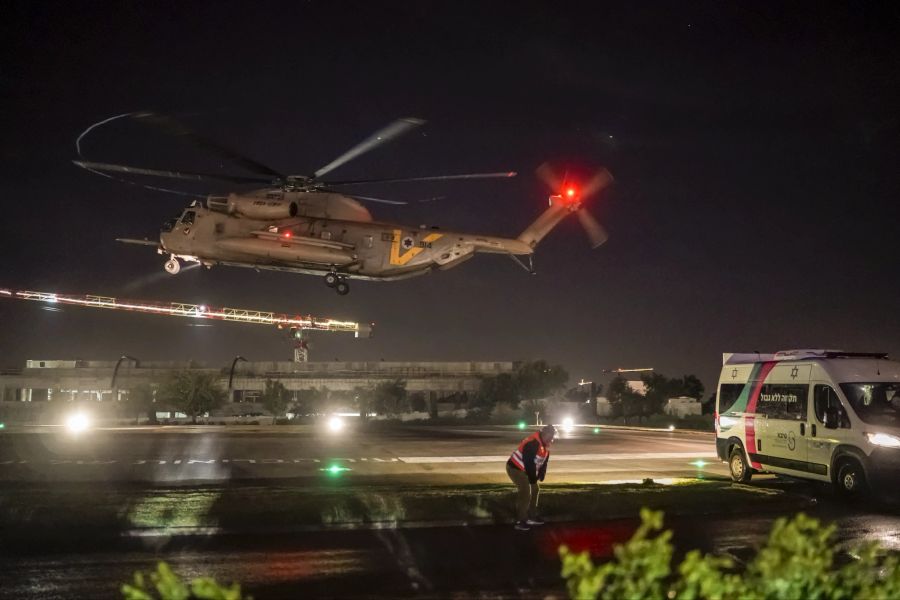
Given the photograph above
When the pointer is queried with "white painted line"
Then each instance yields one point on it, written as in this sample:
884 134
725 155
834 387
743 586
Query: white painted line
452 459
559 457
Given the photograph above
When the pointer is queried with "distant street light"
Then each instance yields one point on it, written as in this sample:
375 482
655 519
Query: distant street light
591 390
231 376
591 398
112 384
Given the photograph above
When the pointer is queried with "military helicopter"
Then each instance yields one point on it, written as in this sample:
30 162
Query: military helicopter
302 224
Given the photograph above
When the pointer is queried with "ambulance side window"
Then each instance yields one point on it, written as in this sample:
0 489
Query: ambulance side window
728 395
783 401
824 397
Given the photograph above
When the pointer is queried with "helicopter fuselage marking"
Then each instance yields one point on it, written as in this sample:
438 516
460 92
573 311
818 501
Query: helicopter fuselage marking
401 259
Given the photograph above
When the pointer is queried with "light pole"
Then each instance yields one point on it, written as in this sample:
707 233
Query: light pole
112 384
592 396
231 376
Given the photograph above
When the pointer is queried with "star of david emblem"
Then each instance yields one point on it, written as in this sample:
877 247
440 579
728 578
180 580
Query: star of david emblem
794 372
734 373
407 243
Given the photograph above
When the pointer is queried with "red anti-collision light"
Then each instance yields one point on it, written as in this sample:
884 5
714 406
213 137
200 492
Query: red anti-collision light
287 234
570 192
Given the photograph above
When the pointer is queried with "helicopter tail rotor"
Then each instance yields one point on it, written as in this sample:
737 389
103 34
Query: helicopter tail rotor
569 197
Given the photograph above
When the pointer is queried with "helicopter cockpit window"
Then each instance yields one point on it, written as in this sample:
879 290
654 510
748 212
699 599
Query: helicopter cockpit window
188 218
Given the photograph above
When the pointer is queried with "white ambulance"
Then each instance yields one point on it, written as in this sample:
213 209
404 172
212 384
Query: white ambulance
826 415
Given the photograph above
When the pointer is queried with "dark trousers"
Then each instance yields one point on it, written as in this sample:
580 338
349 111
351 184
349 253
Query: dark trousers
527 495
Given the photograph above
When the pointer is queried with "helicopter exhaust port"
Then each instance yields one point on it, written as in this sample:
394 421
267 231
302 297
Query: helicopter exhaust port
172 266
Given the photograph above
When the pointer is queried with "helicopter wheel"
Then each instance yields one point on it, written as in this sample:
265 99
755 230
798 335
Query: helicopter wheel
172 266
331 280
342 288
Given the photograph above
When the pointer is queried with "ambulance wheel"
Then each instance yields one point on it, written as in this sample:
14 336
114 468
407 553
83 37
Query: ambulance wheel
331 280
737 464
342 288
850 481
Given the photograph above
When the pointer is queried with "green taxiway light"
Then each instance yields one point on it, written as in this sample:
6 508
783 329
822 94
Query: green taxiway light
521 424
699 463
596 430
335 469
2 425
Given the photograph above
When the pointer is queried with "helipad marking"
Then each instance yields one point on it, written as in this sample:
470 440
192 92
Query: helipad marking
558 457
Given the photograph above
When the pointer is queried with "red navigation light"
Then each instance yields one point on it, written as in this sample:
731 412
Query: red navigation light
287 234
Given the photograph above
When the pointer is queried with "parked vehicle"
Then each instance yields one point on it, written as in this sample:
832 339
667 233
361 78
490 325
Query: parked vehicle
824 415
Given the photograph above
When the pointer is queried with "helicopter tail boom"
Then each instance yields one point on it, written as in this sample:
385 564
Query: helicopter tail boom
545 223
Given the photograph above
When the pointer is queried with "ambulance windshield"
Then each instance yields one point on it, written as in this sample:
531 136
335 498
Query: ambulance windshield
875 403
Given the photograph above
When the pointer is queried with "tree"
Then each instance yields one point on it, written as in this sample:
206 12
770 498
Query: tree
275 398
140 400
692 387
192 392
417 402
579 393
390 397
363 396
538 379
499 389
307 402
658 389
625 402
615 395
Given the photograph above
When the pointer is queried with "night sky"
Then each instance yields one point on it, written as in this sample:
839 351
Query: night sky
755 150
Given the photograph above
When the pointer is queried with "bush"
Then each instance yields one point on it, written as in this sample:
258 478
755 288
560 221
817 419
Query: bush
169 586
505 414
797 561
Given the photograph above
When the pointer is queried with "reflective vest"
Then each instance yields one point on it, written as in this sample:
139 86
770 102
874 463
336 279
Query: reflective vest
539 459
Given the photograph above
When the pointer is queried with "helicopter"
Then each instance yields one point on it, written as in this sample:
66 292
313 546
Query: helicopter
304 224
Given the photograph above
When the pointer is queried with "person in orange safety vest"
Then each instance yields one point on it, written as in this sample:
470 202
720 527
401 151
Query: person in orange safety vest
526 467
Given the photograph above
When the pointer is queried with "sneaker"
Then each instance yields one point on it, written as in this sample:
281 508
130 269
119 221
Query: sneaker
522 525
534 522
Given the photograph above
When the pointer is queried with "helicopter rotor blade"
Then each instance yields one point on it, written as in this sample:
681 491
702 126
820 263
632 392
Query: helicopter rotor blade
363 198
546 174
382 136
598 182
186 175
498 175
594 230
177 129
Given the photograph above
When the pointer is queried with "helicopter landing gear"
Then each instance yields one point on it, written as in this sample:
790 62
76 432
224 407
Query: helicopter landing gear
337 282
172 266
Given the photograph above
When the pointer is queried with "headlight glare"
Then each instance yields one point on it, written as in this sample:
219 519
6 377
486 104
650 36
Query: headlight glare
884 439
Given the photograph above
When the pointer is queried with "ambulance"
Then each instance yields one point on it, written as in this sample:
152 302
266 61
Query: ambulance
825 415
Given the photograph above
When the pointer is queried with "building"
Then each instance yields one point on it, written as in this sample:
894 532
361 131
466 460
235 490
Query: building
682 406
53 382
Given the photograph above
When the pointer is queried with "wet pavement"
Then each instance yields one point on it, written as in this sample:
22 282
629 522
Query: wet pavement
485 560
211 453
